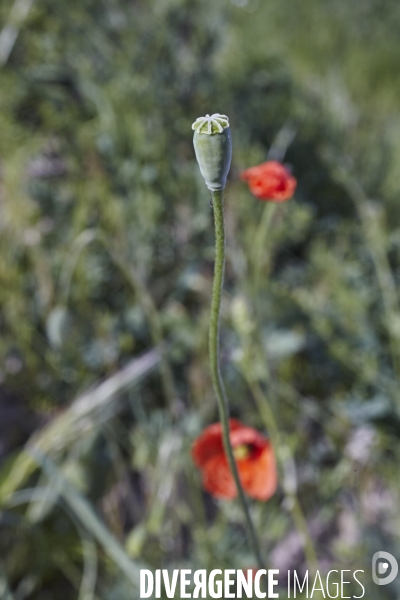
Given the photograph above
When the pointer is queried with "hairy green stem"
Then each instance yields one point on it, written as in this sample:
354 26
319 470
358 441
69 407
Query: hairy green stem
223 407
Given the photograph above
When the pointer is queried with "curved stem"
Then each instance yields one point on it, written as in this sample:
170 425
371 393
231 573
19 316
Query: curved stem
223 407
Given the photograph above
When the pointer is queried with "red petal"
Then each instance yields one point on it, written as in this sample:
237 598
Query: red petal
209 443
257 472
217 478
270 181
258 475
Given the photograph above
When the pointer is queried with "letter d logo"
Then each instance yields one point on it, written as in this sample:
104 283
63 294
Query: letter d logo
385 559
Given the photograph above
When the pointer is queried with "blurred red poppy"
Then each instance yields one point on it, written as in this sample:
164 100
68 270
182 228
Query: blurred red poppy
254 458
270 181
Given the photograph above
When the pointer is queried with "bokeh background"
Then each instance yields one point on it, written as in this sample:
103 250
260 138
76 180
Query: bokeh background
106 258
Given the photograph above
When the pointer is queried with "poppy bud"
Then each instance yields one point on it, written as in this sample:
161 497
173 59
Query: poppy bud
213 147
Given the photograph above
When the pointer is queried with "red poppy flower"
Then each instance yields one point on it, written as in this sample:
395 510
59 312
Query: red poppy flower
270 181
254 458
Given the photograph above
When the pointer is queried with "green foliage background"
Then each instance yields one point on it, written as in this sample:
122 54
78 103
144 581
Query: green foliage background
98 178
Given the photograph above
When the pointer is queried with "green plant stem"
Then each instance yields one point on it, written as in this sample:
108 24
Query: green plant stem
287 468
83 415
214 334
87 516
386 284
5 592
375 240
260 243
151 312
84 239
284 458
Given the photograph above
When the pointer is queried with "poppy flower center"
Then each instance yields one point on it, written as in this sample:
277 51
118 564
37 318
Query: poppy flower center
241 452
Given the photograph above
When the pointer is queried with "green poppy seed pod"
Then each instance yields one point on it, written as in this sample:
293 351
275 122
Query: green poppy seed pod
213 147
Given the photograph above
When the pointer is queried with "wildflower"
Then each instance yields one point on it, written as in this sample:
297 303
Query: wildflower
213 147
254 458
270 181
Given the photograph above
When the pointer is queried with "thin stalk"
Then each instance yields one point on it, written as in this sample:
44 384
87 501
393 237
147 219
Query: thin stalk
214 335
167 378
284 458
376 245
5 591
200 514
386 281
145 299
84 512
287 468
259 245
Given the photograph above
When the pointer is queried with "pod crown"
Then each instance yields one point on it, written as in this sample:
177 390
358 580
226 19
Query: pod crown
210 125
